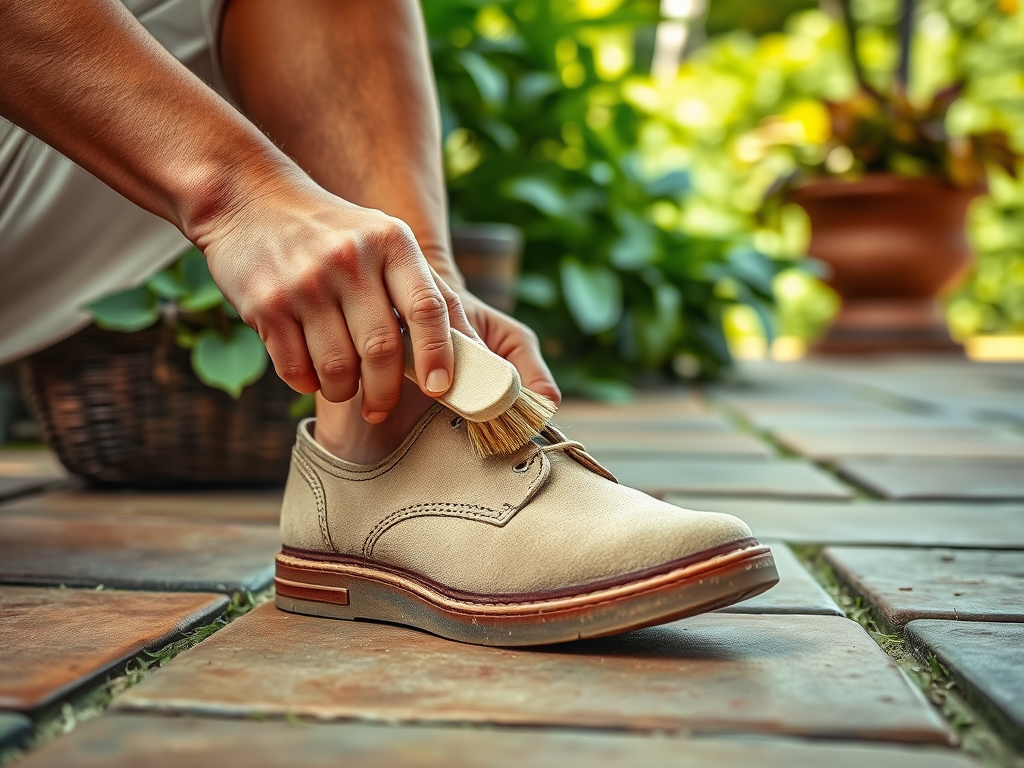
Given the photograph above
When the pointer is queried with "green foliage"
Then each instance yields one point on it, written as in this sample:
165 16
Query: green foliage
540 132
746 112
229 362
128 311
226 353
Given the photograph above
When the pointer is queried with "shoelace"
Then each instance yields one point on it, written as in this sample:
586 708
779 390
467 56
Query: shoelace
561 446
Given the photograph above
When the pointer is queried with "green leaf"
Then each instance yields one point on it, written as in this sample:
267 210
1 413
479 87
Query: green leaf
593 295
302 406
534 86
489 80
672 184
753 268
229 363
127 311
541 194
637 246
537 289
200 290
166 284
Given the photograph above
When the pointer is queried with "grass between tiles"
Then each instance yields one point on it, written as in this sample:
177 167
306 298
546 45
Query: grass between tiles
976 735
91 701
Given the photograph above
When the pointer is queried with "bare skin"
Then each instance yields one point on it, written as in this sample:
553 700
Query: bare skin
317 245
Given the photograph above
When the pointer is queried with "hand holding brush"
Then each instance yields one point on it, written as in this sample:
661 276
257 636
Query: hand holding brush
501 414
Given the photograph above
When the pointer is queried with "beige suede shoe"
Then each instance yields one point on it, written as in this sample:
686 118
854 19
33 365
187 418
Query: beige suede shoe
541 546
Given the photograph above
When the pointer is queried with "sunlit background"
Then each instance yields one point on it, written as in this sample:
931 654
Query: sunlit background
638 146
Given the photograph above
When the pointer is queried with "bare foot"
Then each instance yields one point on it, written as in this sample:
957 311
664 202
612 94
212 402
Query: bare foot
342 430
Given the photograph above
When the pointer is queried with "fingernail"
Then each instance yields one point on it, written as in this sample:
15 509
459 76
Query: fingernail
438 380
376 417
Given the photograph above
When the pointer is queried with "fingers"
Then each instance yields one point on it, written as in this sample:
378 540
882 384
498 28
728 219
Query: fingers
419 301
519 345
333 355
456 311
378 342
287 348
533 371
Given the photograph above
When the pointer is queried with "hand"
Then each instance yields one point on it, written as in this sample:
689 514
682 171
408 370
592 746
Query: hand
320 279
512 340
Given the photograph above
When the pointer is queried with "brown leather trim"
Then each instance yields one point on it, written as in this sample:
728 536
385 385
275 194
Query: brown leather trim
335 595
357 577
528 597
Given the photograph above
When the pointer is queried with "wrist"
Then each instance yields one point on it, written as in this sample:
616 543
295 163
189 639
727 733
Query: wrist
221 188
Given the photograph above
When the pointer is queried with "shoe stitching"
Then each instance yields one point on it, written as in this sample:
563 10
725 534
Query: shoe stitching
457 510
433 509
312 479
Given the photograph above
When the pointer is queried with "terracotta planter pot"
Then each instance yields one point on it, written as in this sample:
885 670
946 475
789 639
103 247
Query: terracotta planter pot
892 245
488 256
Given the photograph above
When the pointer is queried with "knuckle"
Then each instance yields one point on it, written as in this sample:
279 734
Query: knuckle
345 257
271 301
427 307
453 301
338 366
381 348
291 370
395 236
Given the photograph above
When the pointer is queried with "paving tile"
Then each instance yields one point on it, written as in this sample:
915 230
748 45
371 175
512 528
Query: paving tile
798 675
13 729
667 405
986 659
790 479
664 444
907 584
136 554
120 741
30 462
856 419
796 592
53 640
936 479
234 506
991 526
957 442
14 487
626 421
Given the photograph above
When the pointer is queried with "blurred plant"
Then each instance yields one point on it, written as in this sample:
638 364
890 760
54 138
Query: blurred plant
539 133
226 353
881 130
748 111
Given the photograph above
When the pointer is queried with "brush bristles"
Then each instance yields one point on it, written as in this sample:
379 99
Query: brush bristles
514 428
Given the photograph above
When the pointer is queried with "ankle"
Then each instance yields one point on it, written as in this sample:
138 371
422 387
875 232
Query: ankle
341 429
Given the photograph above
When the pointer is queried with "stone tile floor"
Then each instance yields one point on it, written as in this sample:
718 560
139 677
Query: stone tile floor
135 629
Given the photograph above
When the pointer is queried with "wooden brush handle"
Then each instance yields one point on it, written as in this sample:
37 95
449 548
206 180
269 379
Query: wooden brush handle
484 385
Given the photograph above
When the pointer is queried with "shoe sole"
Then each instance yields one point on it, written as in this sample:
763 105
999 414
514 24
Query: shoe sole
351 590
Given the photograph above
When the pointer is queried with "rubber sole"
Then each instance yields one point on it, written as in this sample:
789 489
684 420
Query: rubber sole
347 590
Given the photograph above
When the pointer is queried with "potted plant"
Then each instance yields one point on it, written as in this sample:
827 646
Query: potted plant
168 387
888 205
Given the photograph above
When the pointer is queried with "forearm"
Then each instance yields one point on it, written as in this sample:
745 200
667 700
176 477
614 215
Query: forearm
86 78
364 122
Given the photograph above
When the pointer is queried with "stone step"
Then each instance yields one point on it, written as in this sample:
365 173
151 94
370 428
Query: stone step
815 676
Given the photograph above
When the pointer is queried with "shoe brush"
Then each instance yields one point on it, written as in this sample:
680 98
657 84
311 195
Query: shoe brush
501 414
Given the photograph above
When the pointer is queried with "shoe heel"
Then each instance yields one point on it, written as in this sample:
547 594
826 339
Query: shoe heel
312 591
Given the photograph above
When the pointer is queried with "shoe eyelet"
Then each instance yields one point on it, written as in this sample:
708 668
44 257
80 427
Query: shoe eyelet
456 422
521 467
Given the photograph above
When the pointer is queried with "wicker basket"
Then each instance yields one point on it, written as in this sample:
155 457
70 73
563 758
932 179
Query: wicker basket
126 409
